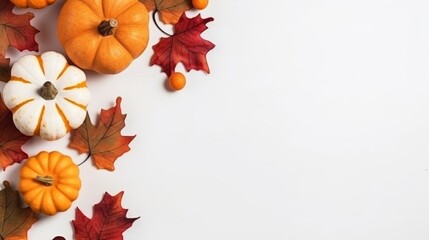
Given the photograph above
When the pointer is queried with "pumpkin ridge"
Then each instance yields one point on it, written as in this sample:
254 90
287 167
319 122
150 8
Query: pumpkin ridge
39 122
19 105
27 174
26 185
46 202
37 170
69 194
102 62
96 52
75 103
113 12
40 61
95 11
55 188
38 198
35 192
73 186
35 79
129 51
57 199
126 9
63 70
42 160
54 158
78 85
133 25
19 79
50 161
65 172
58 170
63 117
55 170
91 30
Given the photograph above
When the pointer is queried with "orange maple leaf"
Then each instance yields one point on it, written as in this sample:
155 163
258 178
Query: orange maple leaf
15 221
169 10
11 139
103 142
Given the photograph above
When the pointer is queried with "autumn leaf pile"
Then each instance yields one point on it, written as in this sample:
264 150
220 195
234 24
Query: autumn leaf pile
101 141
15 31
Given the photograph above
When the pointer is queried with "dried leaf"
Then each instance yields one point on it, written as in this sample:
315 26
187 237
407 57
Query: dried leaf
169 10
11 139
109 220
14 220
186 46
4 69
15 31
103 142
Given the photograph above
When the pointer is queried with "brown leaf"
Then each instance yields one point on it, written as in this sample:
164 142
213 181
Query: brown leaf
11 139
109 220
169 10
4 69
14 220
103 142
15 31
186 46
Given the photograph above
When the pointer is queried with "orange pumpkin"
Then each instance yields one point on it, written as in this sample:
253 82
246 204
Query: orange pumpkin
32 3
103 36
49 182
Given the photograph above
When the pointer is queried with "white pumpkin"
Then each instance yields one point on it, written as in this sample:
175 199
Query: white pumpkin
47 96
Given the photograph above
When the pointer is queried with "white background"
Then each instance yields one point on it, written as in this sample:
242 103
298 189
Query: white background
313 124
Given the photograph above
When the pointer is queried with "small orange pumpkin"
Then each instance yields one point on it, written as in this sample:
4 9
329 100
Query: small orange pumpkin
49 182
32 3
104 36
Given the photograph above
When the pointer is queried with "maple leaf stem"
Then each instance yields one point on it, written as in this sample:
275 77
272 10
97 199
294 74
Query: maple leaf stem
156 23
86 159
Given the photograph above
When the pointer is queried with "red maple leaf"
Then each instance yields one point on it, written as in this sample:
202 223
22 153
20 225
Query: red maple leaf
103 142
186 45
15 31
11 139
109 220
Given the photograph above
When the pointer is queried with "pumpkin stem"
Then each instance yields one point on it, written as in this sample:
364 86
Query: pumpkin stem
107 27
48 91
46 180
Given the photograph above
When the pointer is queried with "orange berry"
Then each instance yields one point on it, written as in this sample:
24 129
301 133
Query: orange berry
177 81
200 4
